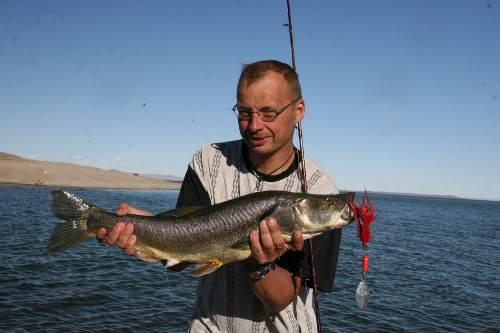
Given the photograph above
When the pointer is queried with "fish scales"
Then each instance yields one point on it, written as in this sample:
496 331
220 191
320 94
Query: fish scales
208 236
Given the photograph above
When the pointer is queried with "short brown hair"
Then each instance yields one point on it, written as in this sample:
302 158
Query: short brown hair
253 72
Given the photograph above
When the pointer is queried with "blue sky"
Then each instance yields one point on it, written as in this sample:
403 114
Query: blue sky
401 95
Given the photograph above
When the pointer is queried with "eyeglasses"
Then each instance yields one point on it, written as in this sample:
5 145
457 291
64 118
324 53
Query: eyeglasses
266 114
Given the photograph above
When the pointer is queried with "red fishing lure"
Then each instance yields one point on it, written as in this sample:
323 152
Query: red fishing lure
364 216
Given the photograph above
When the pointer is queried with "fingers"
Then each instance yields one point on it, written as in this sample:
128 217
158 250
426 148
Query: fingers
256 248
114 233
101 234
124 236
121 235
130 246
136 211
267 244
278 245
266 239
123 209
297 243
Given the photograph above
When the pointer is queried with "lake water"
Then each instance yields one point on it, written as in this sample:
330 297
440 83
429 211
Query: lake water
434 266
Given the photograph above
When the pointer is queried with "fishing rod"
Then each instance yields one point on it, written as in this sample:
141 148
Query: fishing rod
303 175
364 214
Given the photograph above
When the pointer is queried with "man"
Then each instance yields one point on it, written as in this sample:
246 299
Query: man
271 290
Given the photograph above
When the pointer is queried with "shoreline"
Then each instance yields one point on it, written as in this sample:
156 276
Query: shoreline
7 184
16 170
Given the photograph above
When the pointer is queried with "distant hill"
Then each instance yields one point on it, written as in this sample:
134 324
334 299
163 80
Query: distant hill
18 170
404 194
169 178
9 157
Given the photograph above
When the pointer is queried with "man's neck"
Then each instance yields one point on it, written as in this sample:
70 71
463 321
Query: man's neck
275 163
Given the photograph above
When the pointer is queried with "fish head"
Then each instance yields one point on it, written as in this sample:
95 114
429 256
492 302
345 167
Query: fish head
314 214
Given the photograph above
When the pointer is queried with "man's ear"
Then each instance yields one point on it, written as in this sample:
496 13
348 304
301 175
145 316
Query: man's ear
300 110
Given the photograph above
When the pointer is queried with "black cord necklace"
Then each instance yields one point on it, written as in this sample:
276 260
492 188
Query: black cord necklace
259 174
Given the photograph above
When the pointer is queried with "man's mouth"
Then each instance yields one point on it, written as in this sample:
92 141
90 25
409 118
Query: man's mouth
257 141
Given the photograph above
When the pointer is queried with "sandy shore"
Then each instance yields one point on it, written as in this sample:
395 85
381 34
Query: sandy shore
17 170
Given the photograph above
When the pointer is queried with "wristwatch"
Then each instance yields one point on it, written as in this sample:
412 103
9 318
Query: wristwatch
259 272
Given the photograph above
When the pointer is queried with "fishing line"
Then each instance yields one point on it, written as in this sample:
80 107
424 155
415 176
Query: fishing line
304 176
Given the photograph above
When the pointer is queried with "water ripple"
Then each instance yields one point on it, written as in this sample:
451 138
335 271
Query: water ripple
433 268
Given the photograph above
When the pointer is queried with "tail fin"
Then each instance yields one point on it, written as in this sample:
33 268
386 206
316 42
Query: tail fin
72 230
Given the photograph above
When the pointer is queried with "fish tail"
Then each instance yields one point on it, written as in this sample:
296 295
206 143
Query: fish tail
73 212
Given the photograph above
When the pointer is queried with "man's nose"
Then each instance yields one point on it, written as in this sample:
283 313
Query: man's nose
255 123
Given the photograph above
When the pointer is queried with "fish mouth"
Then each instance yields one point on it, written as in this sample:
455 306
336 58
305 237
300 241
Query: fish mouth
326 220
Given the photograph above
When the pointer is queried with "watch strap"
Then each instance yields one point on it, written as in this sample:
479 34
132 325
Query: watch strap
260 271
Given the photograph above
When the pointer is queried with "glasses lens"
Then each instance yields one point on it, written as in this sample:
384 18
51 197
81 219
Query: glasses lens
268 116
242 114
264 116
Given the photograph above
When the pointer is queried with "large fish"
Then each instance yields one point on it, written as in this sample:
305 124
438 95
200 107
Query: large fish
206 236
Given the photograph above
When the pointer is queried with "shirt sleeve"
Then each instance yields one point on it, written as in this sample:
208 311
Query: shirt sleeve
192 192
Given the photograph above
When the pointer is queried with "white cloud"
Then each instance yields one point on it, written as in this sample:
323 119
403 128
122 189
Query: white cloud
77 157
119 158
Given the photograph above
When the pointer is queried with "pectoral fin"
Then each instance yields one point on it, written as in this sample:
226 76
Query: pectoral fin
180 266
176 265
205 268
171 263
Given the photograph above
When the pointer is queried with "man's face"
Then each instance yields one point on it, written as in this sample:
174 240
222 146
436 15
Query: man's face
271 92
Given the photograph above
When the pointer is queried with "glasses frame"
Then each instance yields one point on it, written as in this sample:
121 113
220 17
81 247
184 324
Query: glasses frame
259 113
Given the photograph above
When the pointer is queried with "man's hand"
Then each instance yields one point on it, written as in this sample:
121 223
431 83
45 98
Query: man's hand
278 288
122 234
267 243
